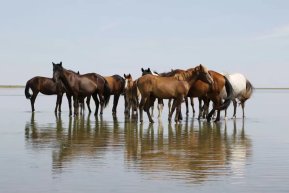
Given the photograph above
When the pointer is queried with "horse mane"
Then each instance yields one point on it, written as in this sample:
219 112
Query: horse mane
170 73
184 74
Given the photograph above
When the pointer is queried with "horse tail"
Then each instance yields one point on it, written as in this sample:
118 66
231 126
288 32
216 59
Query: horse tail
106 92
229 91
27 94
249 90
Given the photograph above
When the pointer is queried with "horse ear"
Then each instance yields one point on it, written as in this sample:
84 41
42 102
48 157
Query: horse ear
78 73
53 64
142 69
124 75
60 64
149 69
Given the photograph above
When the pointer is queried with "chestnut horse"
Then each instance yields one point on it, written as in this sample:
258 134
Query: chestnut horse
152 87
45 86
81 86
131 95
219 91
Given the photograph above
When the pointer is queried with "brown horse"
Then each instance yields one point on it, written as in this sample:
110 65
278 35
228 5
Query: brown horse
152 87
219 90
45 86
131 95
116 85
81 86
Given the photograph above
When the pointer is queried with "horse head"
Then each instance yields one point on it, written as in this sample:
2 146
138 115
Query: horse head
128 80
57 71
203 74
147 71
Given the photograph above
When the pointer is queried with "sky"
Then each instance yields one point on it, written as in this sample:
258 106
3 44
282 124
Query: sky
122 36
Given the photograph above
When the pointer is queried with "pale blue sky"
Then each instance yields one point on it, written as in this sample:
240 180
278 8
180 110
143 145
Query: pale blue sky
121 36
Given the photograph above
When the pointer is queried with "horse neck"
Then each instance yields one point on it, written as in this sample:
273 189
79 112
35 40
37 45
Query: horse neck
64 78
189 78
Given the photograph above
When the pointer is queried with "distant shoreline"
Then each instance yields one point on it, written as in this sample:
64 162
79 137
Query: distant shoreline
12 86
260 88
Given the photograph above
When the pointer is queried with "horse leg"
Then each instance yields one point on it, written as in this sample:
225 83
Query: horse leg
172 110
141 107
125 103
170 105
95 98
243 108
57 102
187 105
88 103
101 99
160 107
218 116
148 104
178 115
200 108
115 102
192 104
75 105
235 108
69 103
32 100
60 102
206 107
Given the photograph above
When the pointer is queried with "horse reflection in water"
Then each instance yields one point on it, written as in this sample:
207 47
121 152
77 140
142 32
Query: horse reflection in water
82 138
192 151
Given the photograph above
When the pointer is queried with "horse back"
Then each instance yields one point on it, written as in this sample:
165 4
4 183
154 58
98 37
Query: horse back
115 83
44 85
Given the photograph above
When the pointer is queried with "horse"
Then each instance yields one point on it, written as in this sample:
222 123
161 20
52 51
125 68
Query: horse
81 86
152 87
160 101
131 95
242 90
45 86
175 73
116 86
220 90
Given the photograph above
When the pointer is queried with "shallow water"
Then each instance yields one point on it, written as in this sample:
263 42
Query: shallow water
44 152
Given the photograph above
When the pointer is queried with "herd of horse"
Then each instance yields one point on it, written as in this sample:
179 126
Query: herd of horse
140 94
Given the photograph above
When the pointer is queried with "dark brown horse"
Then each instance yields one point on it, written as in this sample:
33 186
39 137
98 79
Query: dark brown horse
45 86
152 87
116 85
81 86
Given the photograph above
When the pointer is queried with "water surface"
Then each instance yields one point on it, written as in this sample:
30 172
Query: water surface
44 152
